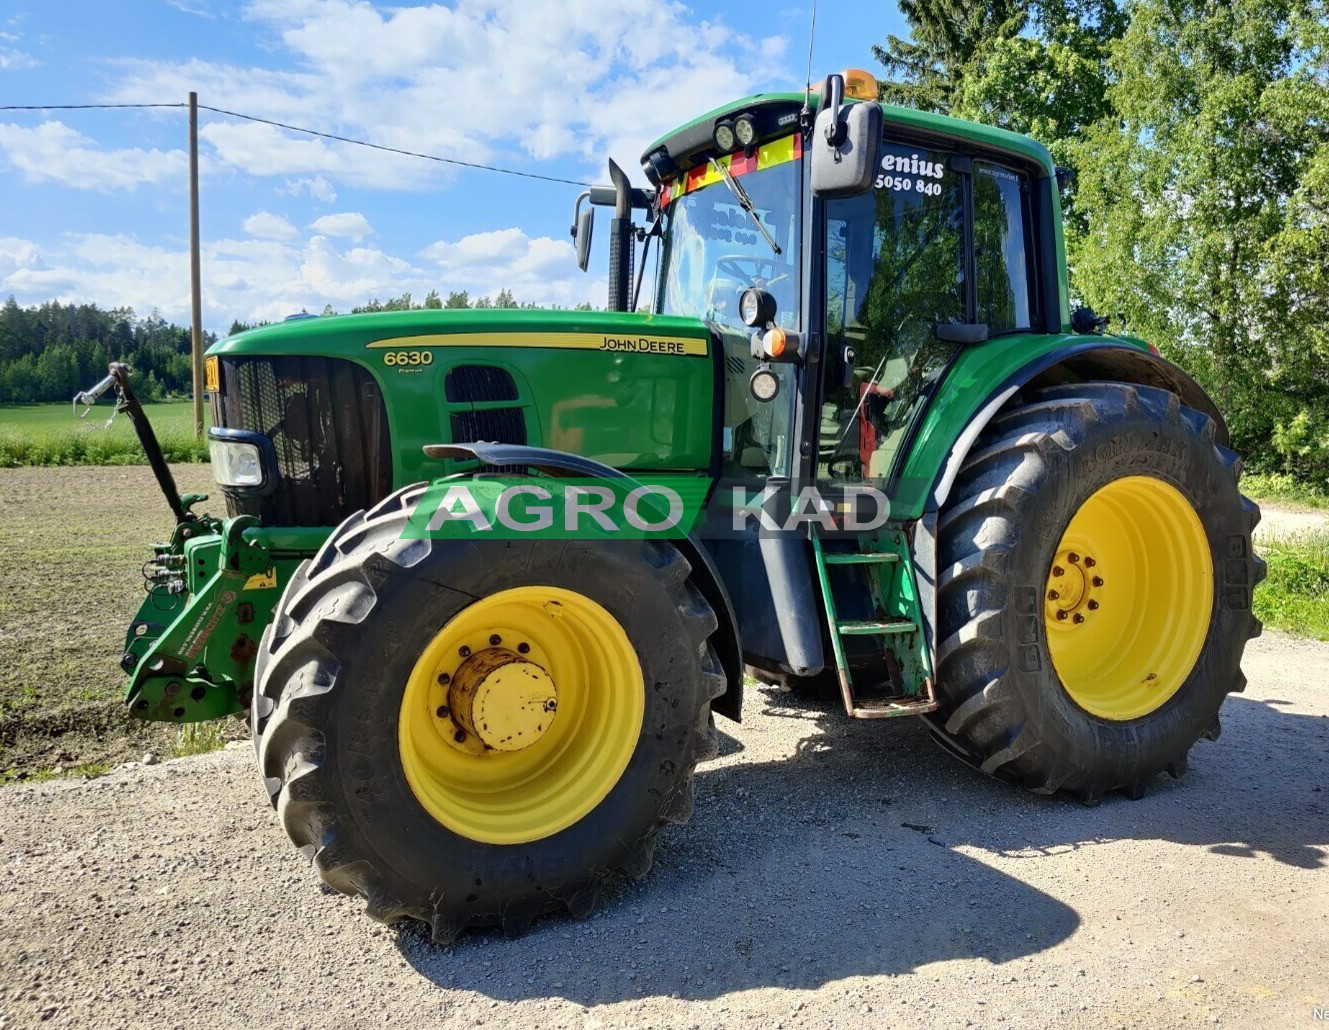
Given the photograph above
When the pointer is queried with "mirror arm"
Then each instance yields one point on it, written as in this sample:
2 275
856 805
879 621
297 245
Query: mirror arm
836 131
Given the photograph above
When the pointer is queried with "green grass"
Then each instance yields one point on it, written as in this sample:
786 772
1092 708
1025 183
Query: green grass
1277 488
197 738
50 434
1295 597
89 770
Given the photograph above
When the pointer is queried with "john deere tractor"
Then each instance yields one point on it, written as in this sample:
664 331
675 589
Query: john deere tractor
927 487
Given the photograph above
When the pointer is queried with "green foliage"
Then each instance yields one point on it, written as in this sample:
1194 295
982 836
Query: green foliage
50 352
1295 597
1281 488
1198 217
458 299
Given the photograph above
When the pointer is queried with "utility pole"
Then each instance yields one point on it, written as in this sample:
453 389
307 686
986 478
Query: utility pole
195 280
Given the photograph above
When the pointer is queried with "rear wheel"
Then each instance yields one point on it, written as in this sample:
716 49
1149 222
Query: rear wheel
474 734
1095 576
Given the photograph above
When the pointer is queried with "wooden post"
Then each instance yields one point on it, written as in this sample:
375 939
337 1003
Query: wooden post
195 276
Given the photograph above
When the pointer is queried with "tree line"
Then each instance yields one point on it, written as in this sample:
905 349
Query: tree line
1199 215
51 351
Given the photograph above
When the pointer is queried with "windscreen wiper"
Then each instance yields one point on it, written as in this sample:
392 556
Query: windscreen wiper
745 202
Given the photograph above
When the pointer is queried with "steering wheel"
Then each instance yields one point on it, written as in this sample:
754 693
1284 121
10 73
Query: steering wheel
729 266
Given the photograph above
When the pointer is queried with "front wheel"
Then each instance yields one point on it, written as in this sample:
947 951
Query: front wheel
1095 579
477 733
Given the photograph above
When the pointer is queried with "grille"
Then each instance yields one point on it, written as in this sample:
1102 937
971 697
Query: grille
498 425
326 420
469 383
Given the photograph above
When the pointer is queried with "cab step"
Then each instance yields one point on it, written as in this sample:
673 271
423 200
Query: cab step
876 629
889 707
892 597
859 557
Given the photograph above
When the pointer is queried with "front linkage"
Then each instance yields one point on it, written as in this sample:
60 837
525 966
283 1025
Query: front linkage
190 650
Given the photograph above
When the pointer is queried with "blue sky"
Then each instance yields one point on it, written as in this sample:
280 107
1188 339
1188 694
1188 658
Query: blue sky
93 204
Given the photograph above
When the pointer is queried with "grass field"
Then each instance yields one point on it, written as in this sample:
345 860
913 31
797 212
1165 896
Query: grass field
74 540
50 434
1295 597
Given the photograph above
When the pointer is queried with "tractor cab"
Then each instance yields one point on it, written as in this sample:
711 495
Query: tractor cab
880 242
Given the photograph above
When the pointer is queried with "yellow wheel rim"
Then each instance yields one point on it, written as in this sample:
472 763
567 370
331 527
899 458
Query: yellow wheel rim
521 714
1129 598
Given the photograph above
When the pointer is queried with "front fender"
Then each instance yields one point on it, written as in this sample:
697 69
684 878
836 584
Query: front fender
560 464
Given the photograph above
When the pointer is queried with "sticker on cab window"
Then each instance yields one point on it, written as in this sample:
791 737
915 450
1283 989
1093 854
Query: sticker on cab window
911 173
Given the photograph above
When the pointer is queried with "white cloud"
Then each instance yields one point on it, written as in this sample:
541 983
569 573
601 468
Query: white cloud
350 224
317 187
12 58
251 279
264 225
496 81
543 270
16 253
53 152
16 60
199 10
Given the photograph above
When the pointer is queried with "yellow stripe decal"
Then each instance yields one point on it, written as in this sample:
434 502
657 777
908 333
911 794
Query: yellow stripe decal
627 343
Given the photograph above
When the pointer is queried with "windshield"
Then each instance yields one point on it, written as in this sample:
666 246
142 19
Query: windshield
713 250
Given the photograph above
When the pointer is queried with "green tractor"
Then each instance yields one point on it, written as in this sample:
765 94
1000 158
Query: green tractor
931 488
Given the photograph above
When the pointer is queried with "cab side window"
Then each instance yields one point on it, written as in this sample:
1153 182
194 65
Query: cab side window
1002 254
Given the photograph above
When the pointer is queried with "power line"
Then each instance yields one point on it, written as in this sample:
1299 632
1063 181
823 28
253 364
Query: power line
78 107
309 132
394 150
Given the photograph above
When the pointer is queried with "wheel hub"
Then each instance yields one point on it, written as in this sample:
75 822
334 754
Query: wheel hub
1074 588
521 714
507 702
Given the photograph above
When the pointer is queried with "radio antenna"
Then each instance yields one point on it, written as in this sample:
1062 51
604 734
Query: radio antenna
805 116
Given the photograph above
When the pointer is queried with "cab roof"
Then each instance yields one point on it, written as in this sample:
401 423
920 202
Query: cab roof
778 114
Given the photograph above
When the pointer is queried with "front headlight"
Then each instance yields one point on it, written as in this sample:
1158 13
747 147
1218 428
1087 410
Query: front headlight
236 464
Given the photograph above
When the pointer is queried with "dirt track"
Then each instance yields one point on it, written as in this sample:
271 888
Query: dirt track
835 874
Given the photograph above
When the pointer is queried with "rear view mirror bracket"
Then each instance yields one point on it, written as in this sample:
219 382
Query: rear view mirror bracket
844 143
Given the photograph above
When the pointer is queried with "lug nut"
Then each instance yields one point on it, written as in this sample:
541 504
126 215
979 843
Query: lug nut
1078 618
523 647
442 712
495 640
444 679
1053 595
1057 570
1061 616
1089 563
1073 557
1098 581
1093 606
460 736
464 651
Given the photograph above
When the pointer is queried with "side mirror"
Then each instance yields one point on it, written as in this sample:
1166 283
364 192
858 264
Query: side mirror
844 143
582 233
1084 320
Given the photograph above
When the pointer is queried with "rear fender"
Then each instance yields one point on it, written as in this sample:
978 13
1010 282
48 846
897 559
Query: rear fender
1081 362
706 576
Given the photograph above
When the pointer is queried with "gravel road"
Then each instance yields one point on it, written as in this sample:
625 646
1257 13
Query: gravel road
835 874
1282 523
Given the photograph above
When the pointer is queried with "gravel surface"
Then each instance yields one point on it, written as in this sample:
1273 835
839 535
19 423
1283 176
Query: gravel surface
1283 522
835 874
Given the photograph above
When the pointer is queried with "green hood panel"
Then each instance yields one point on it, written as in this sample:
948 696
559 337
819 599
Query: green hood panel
631 391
